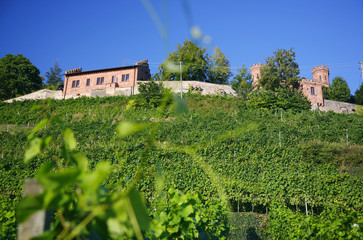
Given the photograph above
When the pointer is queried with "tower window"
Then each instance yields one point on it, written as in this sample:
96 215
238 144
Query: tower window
312 90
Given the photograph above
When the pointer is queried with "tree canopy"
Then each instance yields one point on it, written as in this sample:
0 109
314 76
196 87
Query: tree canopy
196 65
339 90
242 82
280 71
18 76
359 95
54 78
220 67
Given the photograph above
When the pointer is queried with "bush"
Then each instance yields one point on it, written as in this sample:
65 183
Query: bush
282 99
151 94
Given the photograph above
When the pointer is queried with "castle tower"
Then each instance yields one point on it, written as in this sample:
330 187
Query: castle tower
321 74
256 72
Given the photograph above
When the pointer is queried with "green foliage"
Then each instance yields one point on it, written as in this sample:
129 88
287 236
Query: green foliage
151 94
242 83
246 226
220 68
339 90
332 223
325 92
216 140
18 76
83 206
280 71
281 99
195 64
359 110
359 95
54 78
187 217
7 218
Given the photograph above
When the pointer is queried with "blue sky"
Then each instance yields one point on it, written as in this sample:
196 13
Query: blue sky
104 34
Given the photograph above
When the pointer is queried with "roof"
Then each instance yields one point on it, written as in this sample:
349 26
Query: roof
100 70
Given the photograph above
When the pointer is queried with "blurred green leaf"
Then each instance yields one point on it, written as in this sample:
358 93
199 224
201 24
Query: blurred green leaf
33 150
39 126
127 128
27 206
69 139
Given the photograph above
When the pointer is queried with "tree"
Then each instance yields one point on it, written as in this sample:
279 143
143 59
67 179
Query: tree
195 64
54 78
151 94
339 90
18 76
220 68
282 98
359 95
280 70
325 92
242 83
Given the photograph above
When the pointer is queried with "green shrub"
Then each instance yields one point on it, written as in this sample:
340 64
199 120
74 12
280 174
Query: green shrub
151 94
332 223
281 99
187 217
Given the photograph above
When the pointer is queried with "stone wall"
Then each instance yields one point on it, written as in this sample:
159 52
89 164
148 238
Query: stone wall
203 87
41 94
338 107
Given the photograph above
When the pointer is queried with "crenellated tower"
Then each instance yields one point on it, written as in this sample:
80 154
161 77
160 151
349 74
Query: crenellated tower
256 72
321 74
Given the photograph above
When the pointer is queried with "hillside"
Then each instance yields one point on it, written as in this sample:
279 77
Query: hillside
308 161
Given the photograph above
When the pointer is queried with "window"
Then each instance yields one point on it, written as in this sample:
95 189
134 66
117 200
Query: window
320 78
100 80
127 77
75 83
123 78
88 82
113 79
312 91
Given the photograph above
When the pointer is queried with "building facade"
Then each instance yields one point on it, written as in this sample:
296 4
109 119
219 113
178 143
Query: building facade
110 80
311 88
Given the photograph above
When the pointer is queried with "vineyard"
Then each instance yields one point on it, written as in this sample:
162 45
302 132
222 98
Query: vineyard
301 172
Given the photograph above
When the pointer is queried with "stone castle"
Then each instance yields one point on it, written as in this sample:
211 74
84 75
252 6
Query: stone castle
311 88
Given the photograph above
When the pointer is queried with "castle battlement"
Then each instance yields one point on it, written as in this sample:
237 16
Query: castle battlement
319 68
256 65
142 62
73 70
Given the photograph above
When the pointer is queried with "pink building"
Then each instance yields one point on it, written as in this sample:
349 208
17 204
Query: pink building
78 83
311 88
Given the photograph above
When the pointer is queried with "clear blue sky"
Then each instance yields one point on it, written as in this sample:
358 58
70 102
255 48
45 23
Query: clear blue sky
104 34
